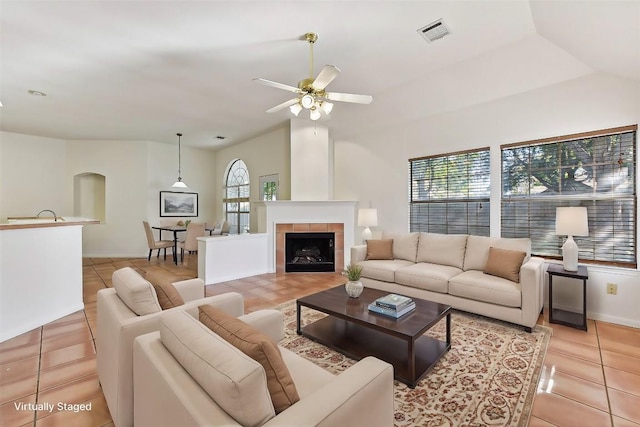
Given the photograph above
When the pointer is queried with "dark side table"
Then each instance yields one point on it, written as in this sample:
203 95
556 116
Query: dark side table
564 317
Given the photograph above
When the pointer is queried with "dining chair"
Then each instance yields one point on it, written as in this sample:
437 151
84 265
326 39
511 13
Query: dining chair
194 230
155 244
217 229
225 227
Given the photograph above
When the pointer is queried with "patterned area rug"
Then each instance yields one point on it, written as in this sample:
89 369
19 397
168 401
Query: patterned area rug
488 378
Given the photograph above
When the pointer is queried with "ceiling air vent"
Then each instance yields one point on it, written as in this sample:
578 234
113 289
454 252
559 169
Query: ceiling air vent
434 31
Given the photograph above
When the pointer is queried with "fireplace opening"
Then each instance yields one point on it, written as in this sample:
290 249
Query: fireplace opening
309 252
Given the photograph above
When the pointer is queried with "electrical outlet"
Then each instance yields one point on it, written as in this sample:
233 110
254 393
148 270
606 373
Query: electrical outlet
612 288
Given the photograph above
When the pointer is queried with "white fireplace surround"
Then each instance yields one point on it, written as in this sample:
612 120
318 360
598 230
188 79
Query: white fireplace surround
292 212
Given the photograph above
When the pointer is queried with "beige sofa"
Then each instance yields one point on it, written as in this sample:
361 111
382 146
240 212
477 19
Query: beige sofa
118 325
185 375
449 269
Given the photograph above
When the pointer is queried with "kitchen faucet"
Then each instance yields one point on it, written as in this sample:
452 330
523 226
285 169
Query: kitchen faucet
55 217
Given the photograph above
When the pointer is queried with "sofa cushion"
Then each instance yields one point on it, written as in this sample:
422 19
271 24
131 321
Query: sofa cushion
405 245
443 249
135 291
476 285
168 295
383 270
380 249
423 275
236 382
477 252
259 347
505 263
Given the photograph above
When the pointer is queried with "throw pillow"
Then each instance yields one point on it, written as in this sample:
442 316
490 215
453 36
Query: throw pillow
260 348
380 249
135 292
235 381
505 263
168 295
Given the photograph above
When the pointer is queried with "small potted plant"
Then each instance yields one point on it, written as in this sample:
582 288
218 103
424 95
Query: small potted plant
353 286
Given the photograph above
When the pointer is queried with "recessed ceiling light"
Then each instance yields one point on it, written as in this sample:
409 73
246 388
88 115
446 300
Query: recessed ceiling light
36 92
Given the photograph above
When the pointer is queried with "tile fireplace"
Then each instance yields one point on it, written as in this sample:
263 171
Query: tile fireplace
309 247
324 216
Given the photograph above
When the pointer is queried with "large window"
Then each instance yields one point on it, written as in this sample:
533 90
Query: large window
596 170
236 200
449 193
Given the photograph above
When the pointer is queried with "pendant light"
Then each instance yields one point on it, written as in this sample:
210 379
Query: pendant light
179 183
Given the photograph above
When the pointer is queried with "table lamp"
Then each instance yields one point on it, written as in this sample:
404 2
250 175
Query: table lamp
367 218
571 221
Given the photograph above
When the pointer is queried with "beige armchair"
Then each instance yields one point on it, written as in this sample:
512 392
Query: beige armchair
172 393
155 244
128 310
194 230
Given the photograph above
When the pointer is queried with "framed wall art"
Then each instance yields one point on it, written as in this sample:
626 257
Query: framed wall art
173 203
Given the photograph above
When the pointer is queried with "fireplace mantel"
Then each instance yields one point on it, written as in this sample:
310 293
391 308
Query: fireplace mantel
271 213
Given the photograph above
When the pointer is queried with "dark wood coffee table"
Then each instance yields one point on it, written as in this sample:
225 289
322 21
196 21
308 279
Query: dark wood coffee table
354 331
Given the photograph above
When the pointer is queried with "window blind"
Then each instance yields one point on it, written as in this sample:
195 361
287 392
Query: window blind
449 193
595 170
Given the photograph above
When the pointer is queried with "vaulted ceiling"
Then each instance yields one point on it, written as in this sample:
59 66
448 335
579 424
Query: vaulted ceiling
144 70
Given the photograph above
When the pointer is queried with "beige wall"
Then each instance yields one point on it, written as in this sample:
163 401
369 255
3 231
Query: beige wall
32 175
264 155
38 173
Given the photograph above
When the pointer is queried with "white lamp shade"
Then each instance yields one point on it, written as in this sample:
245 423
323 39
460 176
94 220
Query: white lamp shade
179 184
314 114
572 221
327 107
295 109
367 217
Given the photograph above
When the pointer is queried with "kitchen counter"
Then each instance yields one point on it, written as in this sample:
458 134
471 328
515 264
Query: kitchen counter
223 258
14 223
40 272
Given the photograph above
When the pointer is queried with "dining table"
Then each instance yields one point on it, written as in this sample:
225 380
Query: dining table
175 229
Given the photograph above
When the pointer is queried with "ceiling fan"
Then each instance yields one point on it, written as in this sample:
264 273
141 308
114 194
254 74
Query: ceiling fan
311 94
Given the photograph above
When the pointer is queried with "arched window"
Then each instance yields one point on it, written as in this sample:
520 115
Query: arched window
236 200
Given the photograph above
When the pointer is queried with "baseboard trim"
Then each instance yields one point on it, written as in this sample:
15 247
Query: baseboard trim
120 255
603 317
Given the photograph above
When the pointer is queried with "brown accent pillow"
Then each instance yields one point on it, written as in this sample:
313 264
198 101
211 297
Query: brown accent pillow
504 263
260 348
380 249
168 295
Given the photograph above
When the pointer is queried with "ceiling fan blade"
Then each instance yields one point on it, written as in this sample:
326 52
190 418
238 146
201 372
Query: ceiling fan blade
278 85
349 97
282 106
326 76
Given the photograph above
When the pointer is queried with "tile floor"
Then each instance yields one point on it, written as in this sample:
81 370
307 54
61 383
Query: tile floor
589 379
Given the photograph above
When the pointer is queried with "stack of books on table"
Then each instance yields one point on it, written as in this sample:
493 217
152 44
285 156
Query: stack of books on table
393 305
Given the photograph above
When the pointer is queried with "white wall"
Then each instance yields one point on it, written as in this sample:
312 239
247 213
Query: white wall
373 167
32 175
38 173
266 154
198 172
124 166
311 161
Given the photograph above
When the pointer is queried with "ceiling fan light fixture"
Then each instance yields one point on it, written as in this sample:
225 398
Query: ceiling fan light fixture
307 101
326 107
296 108
314 114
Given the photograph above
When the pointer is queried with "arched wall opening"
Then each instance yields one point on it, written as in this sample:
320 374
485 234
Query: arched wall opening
89 196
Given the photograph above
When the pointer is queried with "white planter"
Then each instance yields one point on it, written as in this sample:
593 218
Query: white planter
354 289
